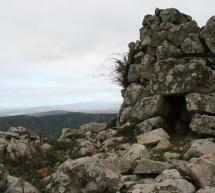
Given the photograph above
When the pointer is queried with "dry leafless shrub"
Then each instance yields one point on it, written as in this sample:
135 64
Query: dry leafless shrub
120 70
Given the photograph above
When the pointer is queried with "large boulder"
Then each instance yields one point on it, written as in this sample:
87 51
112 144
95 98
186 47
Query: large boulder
17 185
203 124
210 42
9 135
167 50
208 31
152 123
20 149
208 34
70 134
178 33
106 134
134 73
136 152
206 190
84 175
148 166
203 170
168 181
203 103
192 45
149 107
172 15
200 147
125 115
133 93
24 133
152 137
117 164
93 127
181 76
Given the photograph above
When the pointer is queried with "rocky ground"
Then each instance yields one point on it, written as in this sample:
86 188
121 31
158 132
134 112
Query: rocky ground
100 159
162 140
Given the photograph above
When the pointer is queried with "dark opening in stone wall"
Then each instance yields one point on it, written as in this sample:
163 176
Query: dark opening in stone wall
178 118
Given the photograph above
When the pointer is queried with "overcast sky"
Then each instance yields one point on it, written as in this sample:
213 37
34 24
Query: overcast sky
53 51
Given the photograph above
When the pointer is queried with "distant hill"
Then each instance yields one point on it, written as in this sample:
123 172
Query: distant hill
50 125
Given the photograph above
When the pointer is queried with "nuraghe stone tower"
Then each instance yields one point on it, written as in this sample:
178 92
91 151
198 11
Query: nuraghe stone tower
171 75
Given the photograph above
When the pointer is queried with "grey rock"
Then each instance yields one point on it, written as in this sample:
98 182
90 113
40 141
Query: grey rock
170 156
84 175
152 137
202 170
208 31
167 50
149 107
163 144
147 67
152 123
68 133
208 189
203 124
16 185
138 56
20 149
203 103
151 21
146 41
125 115
158 38
181 76
145 32
9 135
170 174
118 165
200 147
93 127
168 181
45 147
113 142
210 42
178 33
147 166
136 152
104 135
172 15
133 93
192 45
134 73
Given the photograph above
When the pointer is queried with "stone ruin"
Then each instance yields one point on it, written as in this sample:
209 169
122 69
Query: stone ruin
171 75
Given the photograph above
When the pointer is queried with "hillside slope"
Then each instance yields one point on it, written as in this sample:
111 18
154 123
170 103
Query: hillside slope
51 125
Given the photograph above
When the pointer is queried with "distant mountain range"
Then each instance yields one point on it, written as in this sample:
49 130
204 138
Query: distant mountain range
51 123
86 107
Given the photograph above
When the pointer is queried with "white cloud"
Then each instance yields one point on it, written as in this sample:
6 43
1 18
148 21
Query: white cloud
51 51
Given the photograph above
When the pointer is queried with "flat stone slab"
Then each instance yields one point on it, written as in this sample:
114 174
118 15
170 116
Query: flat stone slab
181 76
152 137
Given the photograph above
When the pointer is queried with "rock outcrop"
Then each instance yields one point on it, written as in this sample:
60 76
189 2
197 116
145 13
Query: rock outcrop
21 143
10 184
